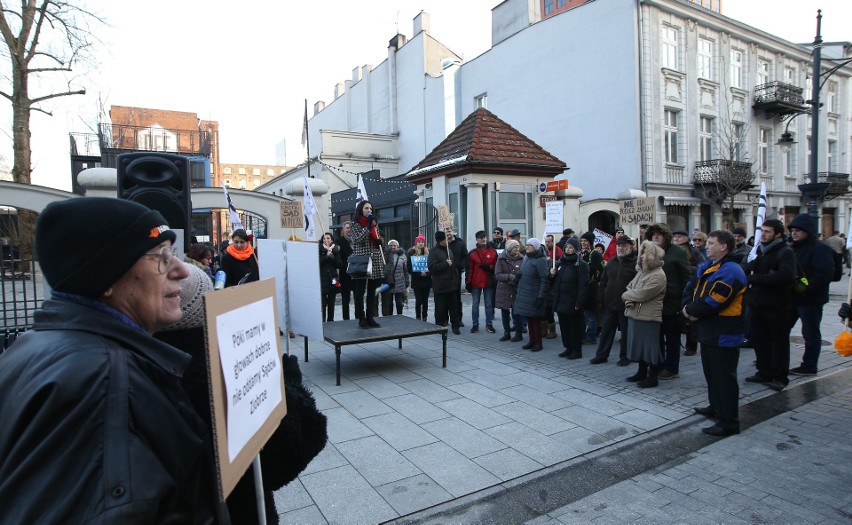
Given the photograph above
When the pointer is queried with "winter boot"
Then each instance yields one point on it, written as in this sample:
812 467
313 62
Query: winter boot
518 337
506 336
651 381
550 331
640 375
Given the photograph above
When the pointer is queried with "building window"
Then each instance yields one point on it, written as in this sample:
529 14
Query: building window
705 58
548 7
831 98
227 170
670 136
270 172
705 138
762 72
670 47
738 141
255 183
242 171
736 68
481 101
561 3
764 138
228 182
790 75
255 171
832 155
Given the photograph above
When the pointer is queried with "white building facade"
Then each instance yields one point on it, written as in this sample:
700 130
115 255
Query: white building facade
631 94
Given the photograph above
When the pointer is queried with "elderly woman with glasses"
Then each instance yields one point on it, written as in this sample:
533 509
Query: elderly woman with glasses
239 261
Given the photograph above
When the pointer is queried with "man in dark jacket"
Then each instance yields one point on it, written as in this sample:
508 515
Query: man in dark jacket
617 274
770 281
567 233
498 242
594 259
743 249
816 263
345 279
458 250
676 268
714 305
93 412
445 283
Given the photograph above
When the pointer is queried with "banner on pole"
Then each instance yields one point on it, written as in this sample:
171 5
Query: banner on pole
602 237
236 223
638 211
291 214
553 217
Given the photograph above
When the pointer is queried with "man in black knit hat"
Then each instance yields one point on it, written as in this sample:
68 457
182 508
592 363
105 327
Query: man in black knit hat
94 413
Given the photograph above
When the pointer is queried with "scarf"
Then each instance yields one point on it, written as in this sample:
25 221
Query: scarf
571 259
374 232
247 252
763 248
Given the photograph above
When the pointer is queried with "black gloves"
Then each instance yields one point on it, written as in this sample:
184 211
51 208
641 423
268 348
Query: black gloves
845 311
485 267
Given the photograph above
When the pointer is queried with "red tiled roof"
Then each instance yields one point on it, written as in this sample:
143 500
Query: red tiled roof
482 139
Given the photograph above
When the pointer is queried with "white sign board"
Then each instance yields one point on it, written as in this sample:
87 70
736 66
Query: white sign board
251 367
553 217
638 211
272 263
602 238
303 289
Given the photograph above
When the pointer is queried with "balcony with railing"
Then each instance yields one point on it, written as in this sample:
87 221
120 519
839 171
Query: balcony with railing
778 98
675 174
838 183
117 138
718 180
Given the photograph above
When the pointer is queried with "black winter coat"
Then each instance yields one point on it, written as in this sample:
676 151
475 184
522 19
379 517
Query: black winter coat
678 275
445 278
418 280
570 286
617 274
816 262
534 285
770 278
236 269
460 255
94 415
331 266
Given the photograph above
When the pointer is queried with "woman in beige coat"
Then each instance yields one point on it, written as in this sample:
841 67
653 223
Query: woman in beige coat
644 310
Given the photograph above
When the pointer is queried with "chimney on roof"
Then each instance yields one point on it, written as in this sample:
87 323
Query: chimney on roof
339 89
397 42
319 106
356 74
421 22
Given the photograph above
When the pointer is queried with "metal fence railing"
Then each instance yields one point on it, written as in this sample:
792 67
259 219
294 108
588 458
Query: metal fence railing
22 288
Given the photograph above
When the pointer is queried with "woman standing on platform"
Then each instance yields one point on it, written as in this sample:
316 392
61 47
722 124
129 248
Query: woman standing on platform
365 241
421 281
239 261
330 265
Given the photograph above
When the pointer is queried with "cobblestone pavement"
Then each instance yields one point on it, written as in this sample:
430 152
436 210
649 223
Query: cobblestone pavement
409 440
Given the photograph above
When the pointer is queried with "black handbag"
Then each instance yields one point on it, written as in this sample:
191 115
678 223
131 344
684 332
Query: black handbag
359 266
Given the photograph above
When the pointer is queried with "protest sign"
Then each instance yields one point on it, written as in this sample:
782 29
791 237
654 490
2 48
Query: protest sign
553 217
602 238
418 263
291 214
638 211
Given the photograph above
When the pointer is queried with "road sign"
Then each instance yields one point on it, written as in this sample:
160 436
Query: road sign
556 185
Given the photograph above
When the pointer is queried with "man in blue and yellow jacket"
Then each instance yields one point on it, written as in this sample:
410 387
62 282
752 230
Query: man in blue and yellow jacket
713 302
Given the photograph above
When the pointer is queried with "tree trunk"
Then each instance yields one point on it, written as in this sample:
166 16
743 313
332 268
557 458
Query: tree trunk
22 165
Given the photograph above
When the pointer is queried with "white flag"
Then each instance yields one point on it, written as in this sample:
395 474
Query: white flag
761 216
361 192
849 235
236 223
310 209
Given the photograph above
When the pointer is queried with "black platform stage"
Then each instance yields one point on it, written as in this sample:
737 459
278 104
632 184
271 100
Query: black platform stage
342 333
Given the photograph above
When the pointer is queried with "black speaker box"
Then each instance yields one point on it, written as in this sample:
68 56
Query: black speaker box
159 181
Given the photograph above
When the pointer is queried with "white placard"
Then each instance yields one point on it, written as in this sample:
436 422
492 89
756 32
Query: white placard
553 217
247 338
303 289
272 263
603 238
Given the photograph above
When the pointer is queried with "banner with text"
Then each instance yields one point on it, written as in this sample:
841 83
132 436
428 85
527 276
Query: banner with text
638 211
553 217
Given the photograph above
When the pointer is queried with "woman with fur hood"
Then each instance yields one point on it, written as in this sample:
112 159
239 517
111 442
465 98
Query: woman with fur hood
644 310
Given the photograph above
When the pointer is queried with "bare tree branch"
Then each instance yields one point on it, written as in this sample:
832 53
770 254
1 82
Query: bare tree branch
55 95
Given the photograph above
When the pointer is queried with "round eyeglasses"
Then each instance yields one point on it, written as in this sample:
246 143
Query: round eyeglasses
164 257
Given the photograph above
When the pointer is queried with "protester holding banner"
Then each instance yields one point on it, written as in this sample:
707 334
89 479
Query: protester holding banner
239 261
365 242
421 280
445 283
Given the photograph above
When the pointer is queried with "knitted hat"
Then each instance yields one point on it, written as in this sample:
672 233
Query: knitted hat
192 290
575 243
535 243
512 244
118 232
498 229
589 236
739 230
393 241
440 236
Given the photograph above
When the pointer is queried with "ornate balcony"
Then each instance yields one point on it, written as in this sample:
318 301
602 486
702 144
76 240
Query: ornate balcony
718 179
838 183
778 98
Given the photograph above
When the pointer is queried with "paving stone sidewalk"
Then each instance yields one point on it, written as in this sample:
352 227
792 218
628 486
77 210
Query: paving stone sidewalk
406 435
793 468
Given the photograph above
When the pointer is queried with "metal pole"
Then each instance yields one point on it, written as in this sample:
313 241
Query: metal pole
815 80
